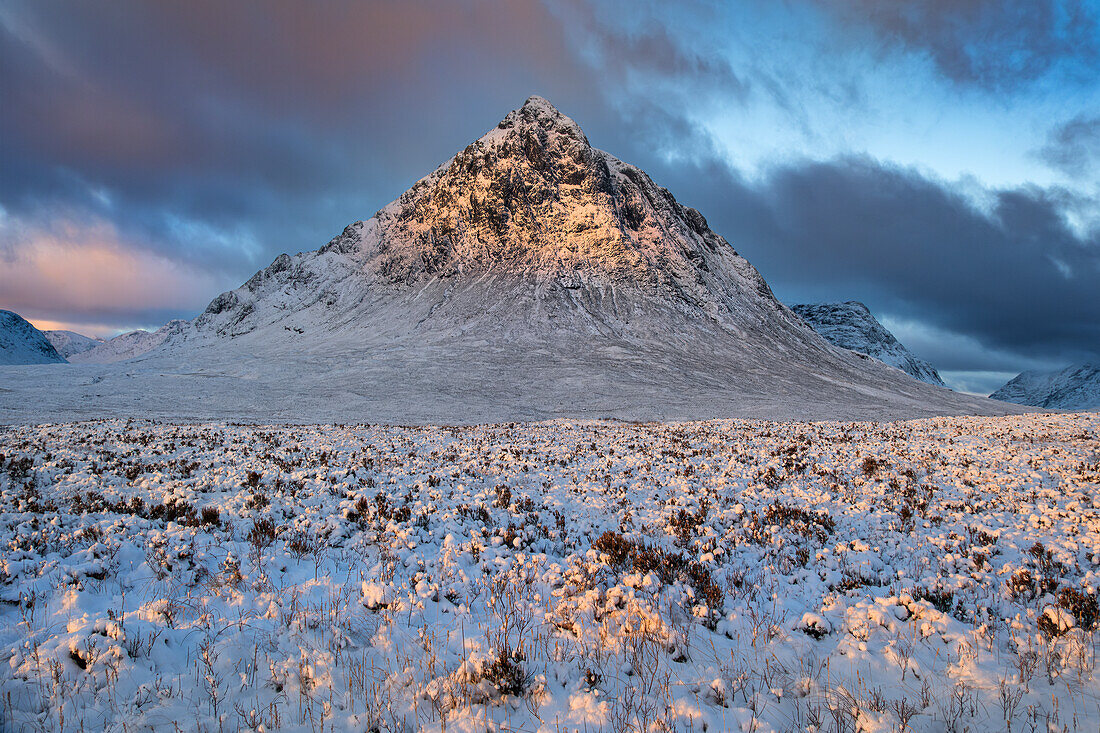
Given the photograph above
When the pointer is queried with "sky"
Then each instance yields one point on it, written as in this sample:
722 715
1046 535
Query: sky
938 160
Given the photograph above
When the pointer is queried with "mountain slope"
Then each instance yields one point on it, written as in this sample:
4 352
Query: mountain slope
128 345
531 276
1076 387
851 326
69 343
22 343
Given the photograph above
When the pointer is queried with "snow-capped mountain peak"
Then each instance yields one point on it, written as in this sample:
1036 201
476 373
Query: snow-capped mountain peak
22 343
1076 387
533 196
851 326
69 343
129 345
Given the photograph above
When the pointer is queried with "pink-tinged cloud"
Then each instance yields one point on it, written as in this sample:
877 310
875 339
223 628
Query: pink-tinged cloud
89 268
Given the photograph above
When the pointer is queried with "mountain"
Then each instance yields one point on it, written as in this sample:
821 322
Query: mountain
69 343
1076 387
128 345
529 277
22 343
851 326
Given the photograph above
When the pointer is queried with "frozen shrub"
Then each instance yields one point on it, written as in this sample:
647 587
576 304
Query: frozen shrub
669 567
817 525
1082 606
177 511
507 673
686 525
1020 585
262 533
1044 558
871 465
942 600
256 501
300 544
615 546
1054 622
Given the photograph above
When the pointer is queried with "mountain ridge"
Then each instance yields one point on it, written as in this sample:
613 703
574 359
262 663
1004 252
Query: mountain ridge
850 325
128 345
1076 387
69 343
22 343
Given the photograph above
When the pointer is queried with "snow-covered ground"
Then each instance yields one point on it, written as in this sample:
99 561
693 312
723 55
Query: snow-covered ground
938 574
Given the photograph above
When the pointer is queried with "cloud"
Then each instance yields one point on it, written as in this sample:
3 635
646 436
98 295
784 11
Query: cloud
1016 276
83 273
1074 146
995 44
649 53
981 383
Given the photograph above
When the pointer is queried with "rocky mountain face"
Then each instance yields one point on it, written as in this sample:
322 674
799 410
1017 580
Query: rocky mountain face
530 205
22 343
127 345
531 276
1076 387
69 343
851 326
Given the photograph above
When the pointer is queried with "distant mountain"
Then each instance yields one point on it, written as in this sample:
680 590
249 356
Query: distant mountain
22 343
127 345
1076 387
851 326
69 343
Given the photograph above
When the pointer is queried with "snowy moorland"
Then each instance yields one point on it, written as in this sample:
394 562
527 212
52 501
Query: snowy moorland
939 574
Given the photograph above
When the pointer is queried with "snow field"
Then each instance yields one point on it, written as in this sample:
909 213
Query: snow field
938 574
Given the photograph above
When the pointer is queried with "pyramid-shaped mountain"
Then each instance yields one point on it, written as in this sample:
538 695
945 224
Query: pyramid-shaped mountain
531 276
528 229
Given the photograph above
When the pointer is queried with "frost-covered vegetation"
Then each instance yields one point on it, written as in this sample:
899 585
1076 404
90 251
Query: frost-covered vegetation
939 574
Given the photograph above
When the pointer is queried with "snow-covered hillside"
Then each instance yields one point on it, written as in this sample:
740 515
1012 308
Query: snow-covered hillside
128 345
69 343
938 575
22 343
851 326
1076 387
531 276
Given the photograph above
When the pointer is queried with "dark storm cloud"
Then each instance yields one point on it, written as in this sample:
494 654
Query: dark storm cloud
652 53
990 43
1016 277
266 114
1074 147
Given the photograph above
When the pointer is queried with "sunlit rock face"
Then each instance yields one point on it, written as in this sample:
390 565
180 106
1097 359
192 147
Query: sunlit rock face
533 196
